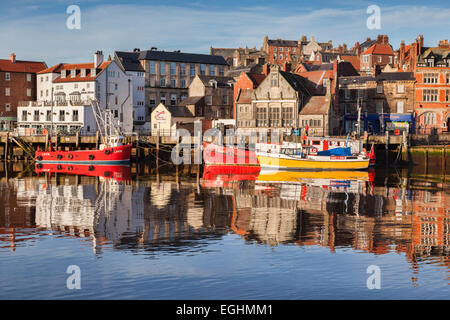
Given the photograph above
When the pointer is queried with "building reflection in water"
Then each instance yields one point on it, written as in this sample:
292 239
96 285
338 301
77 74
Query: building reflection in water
330 210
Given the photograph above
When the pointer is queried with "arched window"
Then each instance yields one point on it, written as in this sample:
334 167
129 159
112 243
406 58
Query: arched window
429 118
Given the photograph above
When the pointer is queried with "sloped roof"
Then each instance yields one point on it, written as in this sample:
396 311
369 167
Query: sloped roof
353 59
181 57
379 48
129 61
368 43
256 78
78 67
392 76
316 105
21 66
193 100
297 82
282 43
179 111
221 81
318 67
439 53
53 69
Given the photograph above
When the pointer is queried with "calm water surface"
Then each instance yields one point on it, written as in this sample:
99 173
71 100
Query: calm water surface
225 236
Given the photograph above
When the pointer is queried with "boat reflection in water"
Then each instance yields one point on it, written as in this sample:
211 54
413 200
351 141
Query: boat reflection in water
115 172
338 209
110 209
158 216
266 204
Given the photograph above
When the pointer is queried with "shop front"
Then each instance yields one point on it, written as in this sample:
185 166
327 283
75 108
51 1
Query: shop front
377 124
403 122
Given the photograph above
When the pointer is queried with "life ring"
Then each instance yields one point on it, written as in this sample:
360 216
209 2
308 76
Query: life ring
91 157
91 168
59 167
70 156
313 151
59 157
107 152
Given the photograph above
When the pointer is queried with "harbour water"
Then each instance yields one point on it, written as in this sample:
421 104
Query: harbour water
225 236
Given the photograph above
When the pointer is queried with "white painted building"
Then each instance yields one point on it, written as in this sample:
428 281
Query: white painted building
135 70
69 88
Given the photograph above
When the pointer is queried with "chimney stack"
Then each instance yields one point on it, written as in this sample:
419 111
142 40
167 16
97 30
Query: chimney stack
420 43
98 59
444 44
12 57
266 69
286 67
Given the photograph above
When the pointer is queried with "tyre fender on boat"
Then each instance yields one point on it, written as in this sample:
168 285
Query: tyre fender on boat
59 157
39 158
70 156
91 157
107 152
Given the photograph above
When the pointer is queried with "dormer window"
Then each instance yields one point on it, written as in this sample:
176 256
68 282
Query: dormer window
430 62
83 73
93 72
73 73
63 73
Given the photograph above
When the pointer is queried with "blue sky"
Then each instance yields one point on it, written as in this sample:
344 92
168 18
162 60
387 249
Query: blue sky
37 30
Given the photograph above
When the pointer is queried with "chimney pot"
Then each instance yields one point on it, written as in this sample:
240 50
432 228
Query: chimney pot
12 57
98 59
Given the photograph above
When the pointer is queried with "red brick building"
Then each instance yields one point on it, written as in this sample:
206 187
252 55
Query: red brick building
432 72
17 83
243 89
280 51
379 54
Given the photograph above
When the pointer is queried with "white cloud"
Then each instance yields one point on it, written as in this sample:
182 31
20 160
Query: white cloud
124 27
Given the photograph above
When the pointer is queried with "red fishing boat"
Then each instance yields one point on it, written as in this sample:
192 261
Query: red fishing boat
224 176
115 172
214 154
116 154
112 151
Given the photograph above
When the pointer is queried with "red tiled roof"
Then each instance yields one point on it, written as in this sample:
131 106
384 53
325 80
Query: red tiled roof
21 66
54 69
354 60
379 48
316 105
78 67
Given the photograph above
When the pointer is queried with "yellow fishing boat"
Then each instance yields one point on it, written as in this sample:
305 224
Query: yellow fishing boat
266 176
294 156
